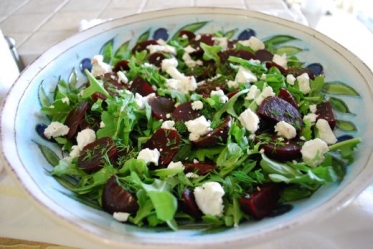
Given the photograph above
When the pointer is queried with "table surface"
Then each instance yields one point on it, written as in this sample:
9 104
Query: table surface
37 25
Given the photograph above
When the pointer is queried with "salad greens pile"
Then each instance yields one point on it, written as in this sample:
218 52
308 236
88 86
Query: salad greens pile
127 151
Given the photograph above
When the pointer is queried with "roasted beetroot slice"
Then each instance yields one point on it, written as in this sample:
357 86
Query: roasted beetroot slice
156 59
206 88
189 204
299 71
167 142
117 199
75 117
161 107
286 95
288 151
262 201
91 158
200 168
263 55
325 111
224 56
184 112
276 109
141 86
216 136
187 33
142 45
270 64
196 43
122 65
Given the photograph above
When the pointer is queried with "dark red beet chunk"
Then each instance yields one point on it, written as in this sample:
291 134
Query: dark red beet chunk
224 56
75 117
196 43
263 55
325 111
91 158
121 66
286 95
206 88
216 136
288 151
161 107
117 199
142 45
141 86
185 112
187 33
262 201
167 142
200 168
270 64
276 109
189 204
299 71
156 59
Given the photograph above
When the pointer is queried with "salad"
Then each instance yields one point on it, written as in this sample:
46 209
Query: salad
199 129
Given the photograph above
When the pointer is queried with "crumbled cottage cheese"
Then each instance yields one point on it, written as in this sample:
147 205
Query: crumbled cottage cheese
313 152
85 137
56 129
149 156
285 129
99 67
249 120
198 127
209 198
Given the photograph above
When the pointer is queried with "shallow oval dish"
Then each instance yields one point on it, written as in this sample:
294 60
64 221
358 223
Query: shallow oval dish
21 113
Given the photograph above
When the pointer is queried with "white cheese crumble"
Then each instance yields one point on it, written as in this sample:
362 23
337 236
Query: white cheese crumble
122 77
198 127
141 101
222 97
267 92
310 117
209 198
313 108
56 129
222 42
149 156
324 132
85 137
176 165
290 79
249 120
121 216
313 152
197 105
99 67
168 124
65 100
75 151
244 75
191 175
161 48
285 129
179 81
280 60
304 83
253 43
253 92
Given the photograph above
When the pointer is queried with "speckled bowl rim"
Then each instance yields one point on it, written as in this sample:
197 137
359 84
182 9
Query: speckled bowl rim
341 199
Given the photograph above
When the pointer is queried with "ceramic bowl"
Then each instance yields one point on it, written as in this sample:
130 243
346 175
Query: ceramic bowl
21 114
